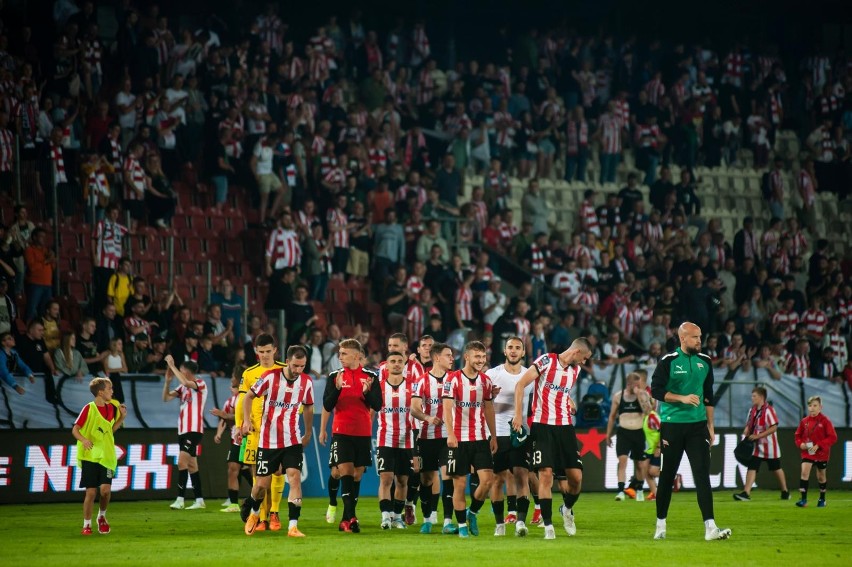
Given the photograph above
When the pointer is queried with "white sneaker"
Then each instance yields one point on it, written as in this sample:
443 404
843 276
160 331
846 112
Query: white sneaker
398 524
198 505
330 513
226 503
549 532
521 529
568 521
231 508
177 504
620 496
717 533
500 530
386 524
660 533
640 496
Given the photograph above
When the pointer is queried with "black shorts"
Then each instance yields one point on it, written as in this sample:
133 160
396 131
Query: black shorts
476 454
773 464
189 442
554 447
654 461
432 454
234 454
391 459
339 260
350 449
508 457
821 465
270 460
630 442
95 475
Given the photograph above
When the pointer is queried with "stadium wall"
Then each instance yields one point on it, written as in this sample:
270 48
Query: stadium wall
40 466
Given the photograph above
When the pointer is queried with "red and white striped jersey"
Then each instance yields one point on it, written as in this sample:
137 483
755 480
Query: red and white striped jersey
338 218
653 233
429 389
7 149
577 136
470 396
655 90
630 320
522 327
403 191
231 407
134 170
282 398
416 317
464 301
395 423
108 248
622 113
568 283
508 232
412 370
815 321
589 218
192 402
798 243
284 248
425 87
269 29
837 342
799 365
480 212
786 321
414 284
759 420
806 188
610 134
769 242
58 162
552 393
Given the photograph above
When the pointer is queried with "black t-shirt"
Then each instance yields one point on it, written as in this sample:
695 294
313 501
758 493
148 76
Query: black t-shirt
628 196
400 306
359 241
32 352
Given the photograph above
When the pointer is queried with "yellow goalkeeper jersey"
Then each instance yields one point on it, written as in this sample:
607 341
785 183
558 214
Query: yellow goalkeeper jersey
251 375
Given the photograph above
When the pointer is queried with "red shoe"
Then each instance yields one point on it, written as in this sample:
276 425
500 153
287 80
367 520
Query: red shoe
651 496
536 519
262 526
630 493
103 526
511 518
409 515
87 530
344 526
274 521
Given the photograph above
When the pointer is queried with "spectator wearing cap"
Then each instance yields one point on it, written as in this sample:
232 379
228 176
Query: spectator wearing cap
136 354
188 350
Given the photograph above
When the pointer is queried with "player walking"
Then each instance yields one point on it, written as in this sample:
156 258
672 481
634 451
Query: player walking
629 408
394 441
192 392
683 382
468 408
350 393
510 462
281 442
554 441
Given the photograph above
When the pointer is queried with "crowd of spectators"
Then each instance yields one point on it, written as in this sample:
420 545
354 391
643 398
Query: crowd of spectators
358 152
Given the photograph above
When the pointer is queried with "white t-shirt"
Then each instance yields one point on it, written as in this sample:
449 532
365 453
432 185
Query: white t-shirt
504 402
264 158
127 119
174 96
488 299
257 126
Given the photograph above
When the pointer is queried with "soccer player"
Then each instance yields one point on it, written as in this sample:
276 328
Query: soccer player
814 437
427 406
554 441
94 431
424 352
398 342
510 462
280 440
468 408
683 382
192 392
350 393
236 469
762 428
629 408
265 351
394 441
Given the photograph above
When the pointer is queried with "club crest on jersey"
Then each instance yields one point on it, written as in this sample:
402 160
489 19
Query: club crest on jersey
699 365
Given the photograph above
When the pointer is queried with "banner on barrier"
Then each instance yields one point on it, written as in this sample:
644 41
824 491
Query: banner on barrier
40 466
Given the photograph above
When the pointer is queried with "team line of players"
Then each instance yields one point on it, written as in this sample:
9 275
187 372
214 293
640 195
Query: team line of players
471 422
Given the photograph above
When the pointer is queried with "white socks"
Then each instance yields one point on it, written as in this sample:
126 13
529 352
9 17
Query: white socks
101 513
293 524
87 523
709 525
661 524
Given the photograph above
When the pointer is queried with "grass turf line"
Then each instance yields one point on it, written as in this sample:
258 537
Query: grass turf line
766 531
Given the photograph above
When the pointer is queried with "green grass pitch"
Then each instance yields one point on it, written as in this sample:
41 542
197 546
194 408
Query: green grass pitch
766 531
